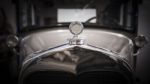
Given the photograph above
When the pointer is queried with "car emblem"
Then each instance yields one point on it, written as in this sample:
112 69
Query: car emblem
76 28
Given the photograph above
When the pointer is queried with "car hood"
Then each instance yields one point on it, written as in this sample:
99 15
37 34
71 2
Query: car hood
42 40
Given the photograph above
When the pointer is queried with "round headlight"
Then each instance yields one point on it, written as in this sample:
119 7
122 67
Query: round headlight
76 28
12 41
140 41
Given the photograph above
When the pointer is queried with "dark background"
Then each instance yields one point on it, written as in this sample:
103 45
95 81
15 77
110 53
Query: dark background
143 61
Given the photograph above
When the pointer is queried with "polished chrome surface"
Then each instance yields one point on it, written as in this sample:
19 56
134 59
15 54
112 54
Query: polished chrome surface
76 41
100 38
108 41
44 48
76 28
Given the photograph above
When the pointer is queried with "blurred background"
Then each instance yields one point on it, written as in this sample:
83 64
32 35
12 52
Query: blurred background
143 60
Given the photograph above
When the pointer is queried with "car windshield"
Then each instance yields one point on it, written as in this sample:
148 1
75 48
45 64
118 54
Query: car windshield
108 13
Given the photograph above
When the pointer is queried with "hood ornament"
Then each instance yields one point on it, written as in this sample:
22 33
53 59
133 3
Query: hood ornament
76 28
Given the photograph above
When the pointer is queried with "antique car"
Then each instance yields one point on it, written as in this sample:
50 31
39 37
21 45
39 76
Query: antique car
76 41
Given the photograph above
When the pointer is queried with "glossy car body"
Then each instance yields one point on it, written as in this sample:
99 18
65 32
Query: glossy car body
100 54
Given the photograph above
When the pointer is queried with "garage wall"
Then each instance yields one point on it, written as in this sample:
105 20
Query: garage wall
9 9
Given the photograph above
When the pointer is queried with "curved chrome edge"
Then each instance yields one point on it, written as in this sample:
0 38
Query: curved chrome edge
113 55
